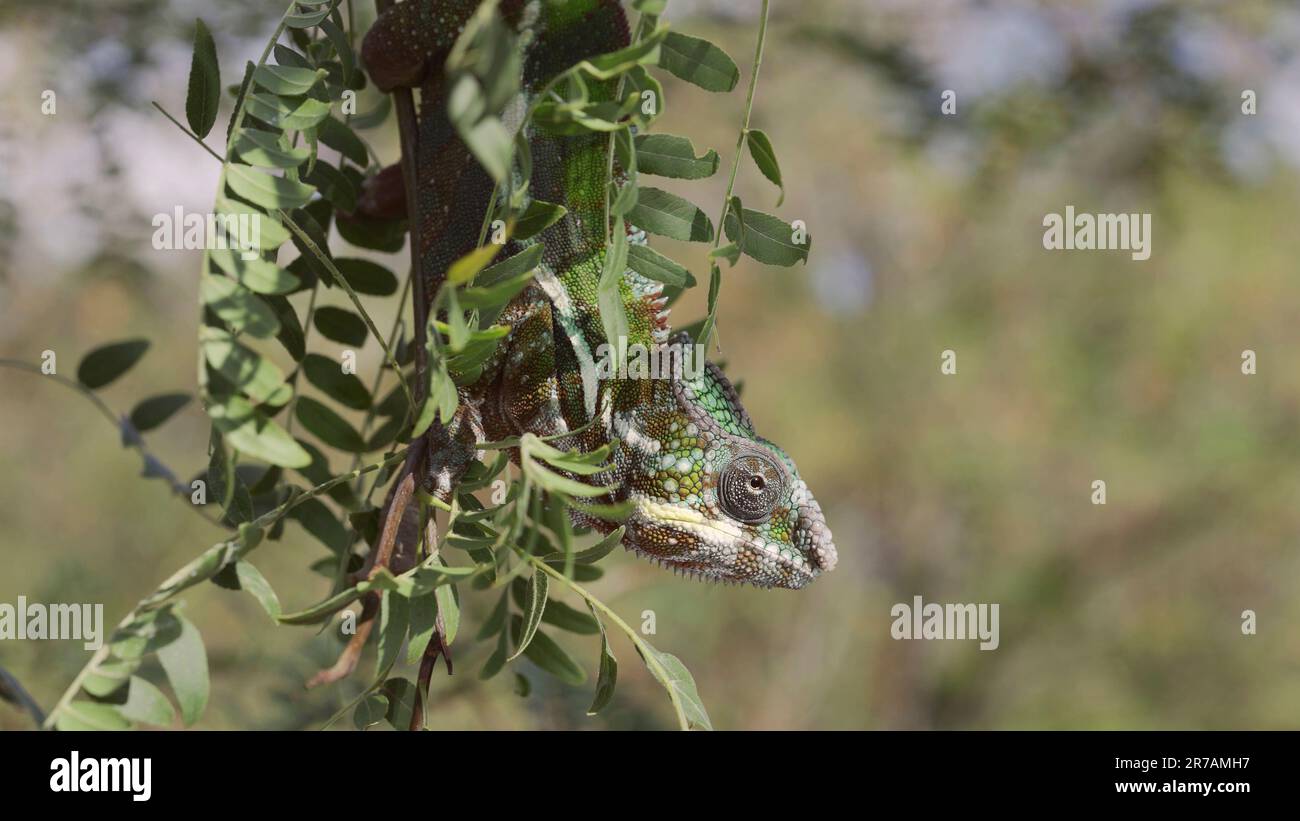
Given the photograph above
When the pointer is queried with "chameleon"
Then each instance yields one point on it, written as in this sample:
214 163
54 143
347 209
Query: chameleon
709 497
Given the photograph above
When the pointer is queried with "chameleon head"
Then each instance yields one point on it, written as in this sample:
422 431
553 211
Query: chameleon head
713 499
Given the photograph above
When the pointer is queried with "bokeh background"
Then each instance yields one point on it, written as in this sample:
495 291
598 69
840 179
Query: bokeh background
974 487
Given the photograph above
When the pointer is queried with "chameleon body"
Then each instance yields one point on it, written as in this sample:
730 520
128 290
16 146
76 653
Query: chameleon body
709 497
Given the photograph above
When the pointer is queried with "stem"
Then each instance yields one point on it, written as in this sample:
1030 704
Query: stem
315 251
715 279
609 151
379 374
408 130
188 133
12 690
107 412
293 381
647 653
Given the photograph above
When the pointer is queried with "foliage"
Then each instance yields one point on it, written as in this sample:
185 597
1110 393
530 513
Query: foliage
523 545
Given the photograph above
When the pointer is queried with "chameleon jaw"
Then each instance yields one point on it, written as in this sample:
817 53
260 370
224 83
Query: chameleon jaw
685 540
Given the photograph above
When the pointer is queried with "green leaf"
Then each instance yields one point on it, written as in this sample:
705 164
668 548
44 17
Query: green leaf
546 654
497 660
340 325
108 677
291 333
255 584
760 148
614 63
87 715
250 432
730 252
186 664
537 217
107 362
152 412
370 711
524 262
640 81
286 56
335 186
699 62
668 155
205 83
534 606
287 81
321 522
668 215
146 704
424 620
270 233
491 144
449 608
768 239
394 620
679 683
624 193
255 375
343 49
563 616
307 19
467 267
402 696
441 402
238 307
328 376
597 551
651 264
556 483
613 316
264 148
328 426
608 676
267 190
495 295
344 140
322 610
367 277
257 274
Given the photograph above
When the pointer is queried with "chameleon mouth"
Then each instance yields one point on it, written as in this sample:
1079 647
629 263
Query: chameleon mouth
687 542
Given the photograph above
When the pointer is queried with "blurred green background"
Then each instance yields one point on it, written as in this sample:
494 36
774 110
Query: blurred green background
975 487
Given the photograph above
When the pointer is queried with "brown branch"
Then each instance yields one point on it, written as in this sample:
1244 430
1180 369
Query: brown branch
347 661
408 129
381 556
436 646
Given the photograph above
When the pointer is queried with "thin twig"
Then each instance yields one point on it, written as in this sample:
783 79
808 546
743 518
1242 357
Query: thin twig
12 690
134 442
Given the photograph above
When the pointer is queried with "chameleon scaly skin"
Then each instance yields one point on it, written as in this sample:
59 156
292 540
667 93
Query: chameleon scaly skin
709 496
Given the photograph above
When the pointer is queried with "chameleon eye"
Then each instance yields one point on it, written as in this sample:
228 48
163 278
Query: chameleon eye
749 488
